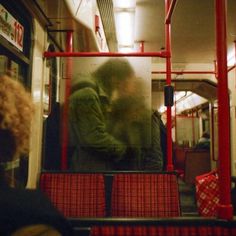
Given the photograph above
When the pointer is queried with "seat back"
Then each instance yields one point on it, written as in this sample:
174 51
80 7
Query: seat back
197 162
75 194
179 158
145 195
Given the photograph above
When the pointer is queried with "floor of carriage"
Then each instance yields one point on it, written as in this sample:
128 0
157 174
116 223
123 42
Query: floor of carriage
187 199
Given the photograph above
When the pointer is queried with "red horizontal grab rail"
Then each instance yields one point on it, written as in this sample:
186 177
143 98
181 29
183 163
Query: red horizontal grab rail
163 54
170 11
185 72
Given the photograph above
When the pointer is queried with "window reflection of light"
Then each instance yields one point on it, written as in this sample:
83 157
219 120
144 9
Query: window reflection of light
185 101
36 95
231 61
179 95
231 57
191 100
162 109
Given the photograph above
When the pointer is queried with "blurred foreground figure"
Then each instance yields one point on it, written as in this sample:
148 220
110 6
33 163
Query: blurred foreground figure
133 123
96 149
23 212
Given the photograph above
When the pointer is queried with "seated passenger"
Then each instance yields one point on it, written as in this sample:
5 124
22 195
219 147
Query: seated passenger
21 207
204 141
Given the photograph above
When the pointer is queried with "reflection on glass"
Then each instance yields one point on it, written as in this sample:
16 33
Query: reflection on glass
110 116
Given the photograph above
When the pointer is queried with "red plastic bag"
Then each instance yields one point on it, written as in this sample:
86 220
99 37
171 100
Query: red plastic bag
207 193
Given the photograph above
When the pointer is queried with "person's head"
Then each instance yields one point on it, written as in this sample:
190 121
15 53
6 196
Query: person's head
133 87
112 72
206 135
16 110
128 108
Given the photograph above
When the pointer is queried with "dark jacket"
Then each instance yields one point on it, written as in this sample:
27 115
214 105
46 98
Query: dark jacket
96 149
21 207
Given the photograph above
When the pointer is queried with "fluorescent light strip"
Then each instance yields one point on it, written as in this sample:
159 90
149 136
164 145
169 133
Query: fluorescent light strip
125 28
124 3
124 12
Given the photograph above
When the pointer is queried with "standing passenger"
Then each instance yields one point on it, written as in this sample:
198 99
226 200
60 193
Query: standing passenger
90 104
21 207
133 123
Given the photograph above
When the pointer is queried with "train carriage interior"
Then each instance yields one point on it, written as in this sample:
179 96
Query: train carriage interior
182 55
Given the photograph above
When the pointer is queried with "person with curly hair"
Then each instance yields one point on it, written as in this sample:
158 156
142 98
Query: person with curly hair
21 210
16 110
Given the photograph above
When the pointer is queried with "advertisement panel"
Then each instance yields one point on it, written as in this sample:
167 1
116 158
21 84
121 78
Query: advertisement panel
11 29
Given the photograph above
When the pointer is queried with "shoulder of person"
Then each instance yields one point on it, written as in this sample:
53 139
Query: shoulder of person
85 88
82 83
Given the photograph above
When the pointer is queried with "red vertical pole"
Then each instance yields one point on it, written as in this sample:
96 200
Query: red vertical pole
225 210
193 127
170 11
168 82
175 117
69 48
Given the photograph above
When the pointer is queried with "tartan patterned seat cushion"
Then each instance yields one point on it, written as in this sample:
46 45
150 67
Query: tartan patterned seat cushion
75 194
207 194
145 195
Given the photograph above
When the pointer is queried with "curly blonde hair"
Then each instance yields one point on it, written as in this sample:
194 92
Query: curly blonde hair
16 110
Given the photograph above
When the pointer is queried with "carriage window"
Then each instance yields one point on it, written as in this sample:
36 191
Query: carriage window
12 67
15 48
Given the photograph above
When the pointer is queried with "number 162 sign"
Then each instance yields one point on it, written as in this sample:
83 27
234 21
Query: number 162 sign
11 29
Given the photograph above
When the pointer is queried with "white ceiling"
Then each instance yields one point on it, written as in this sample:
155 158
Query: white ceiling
193 28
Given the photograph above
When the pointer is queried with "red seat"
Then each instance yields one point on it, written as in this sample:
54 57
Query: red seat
74 194
179 161
168 230
190 163
145 195
197 162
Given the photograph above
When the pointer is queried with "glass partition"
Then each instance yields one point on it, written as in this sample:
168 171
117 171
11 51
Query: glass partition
109 112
